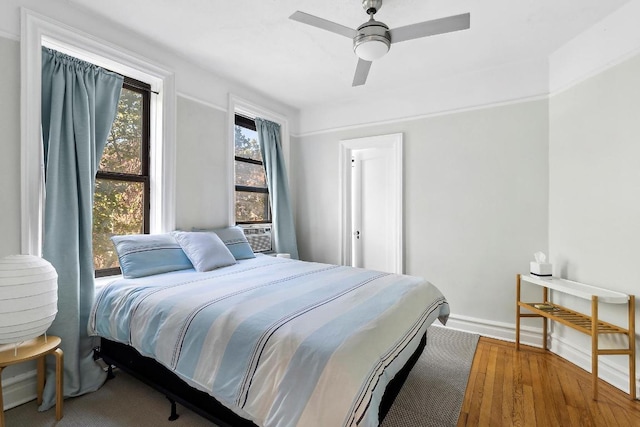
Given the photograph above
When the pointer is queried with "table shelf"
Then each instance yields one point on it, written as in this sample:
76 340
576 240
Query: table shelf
588 324
573 319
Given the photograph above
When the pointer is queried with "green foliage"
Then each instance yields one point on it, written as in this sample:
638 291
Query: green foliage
250 207
118 206
122 152
246 141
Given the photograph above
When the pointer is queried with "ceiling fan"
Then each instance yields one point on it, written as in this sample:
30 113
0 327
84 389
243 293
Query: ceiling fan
373 39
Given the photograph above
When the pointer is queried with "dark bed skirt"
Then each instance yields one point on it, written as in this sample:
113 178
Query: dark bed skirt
166 382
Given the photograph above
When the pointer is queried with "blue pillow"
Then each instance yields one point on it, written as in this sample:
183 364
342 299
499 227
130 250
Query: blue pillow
205 250
235 240
143 255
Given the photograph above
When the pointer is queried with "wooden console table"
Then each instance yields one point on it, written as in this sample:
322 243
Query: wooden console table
36 348
587 324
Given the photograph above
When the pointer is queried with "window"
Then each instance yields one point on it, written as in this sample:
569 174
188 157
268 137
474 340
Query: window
252 194
122 192
41 31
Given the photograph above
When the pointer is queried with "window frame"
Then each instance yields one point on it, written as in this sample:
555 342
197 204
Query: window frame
144 176
251 109
248 123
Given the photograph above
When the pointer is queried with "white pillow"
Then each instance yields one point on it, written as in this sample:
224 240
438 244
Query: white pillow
205 250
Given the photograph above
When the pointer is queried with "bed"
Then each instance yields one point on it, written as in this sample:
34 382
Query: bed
276 342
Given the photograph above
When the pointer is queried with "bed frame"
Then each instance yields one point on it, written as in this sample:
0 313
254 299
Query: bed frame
177 391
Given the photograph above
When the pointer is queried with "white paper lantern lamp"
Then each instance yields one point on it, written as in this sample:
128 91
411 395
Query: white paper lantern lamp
28 297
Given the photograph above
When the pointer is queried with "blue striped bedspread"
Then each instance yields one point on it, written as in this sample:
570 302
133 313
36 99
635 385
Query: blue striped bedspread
278 341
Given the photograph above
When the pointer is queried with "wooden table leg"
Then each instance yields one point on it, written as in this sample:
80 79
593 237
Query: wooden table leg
632 346
517 312
1 400
41 372
59 382
594 346
545 321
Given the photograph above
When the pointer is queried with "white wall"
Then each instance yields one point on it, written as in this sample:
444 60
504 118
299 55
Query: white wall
594 175
595 178
202 196
475 200
10 143
594 197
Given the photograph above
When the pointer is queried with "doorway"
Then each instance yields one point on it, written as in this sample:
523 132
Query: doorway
371 203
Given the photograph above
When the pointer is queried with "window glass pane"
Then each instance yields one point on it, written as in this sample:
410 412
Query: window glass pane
247 143
250 175
252 207
118 208
123 152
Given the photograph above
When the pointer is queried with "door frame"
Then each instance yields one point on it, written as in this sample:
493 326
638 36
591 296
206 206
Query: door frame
347 147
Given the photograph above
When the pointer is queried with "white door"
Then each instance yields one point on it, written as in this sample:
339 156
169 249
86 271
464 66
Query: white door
372 211
372 208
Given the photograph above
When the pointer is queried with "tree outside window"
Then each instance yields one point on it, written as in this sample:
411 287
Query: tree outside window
121 198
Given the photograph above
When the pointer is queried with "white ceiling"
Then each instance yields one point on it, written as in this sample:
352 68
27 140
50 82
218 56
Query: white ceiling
254 42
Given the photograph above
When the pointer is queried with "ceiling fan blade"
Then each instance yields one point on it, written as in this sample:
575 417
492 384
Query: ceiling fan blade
431 28
362 71
323 24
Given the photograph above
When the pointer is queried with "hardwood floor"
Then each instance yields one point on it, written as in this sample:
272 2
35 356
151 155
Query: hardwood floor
537 388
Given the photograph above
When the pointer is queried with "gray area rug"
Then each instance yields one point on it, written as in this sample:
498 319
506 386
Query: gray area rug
434 391
431 397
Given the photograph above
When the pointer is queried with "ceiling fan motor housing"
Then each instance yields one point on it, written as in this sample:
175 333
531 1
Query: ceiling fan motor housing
372 34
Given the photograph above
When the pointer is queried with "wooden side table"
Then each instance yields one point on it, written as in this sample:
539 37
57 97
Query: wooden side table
585 323
36 348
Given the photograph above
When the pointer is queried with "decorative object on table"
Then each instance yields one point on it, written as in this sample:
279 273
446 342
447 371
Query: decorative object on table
28 298
546 307
540 267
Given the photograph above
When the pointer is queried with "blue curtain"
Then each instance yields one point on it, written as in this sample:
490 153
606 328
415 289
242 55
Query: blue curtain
284 233
79 103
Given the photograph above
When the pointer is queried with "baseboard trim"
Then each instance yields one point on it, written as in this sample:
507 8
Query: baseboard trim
19 389
609 372
613 374
498 330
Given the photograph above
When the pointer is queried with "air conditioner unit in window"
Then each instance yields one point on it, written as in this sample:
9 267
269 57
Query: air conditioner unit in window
259 237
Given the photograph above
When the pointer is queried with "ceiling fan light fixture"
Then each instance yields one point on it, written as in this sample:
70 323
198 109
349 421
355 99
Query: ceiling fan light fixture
371 48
